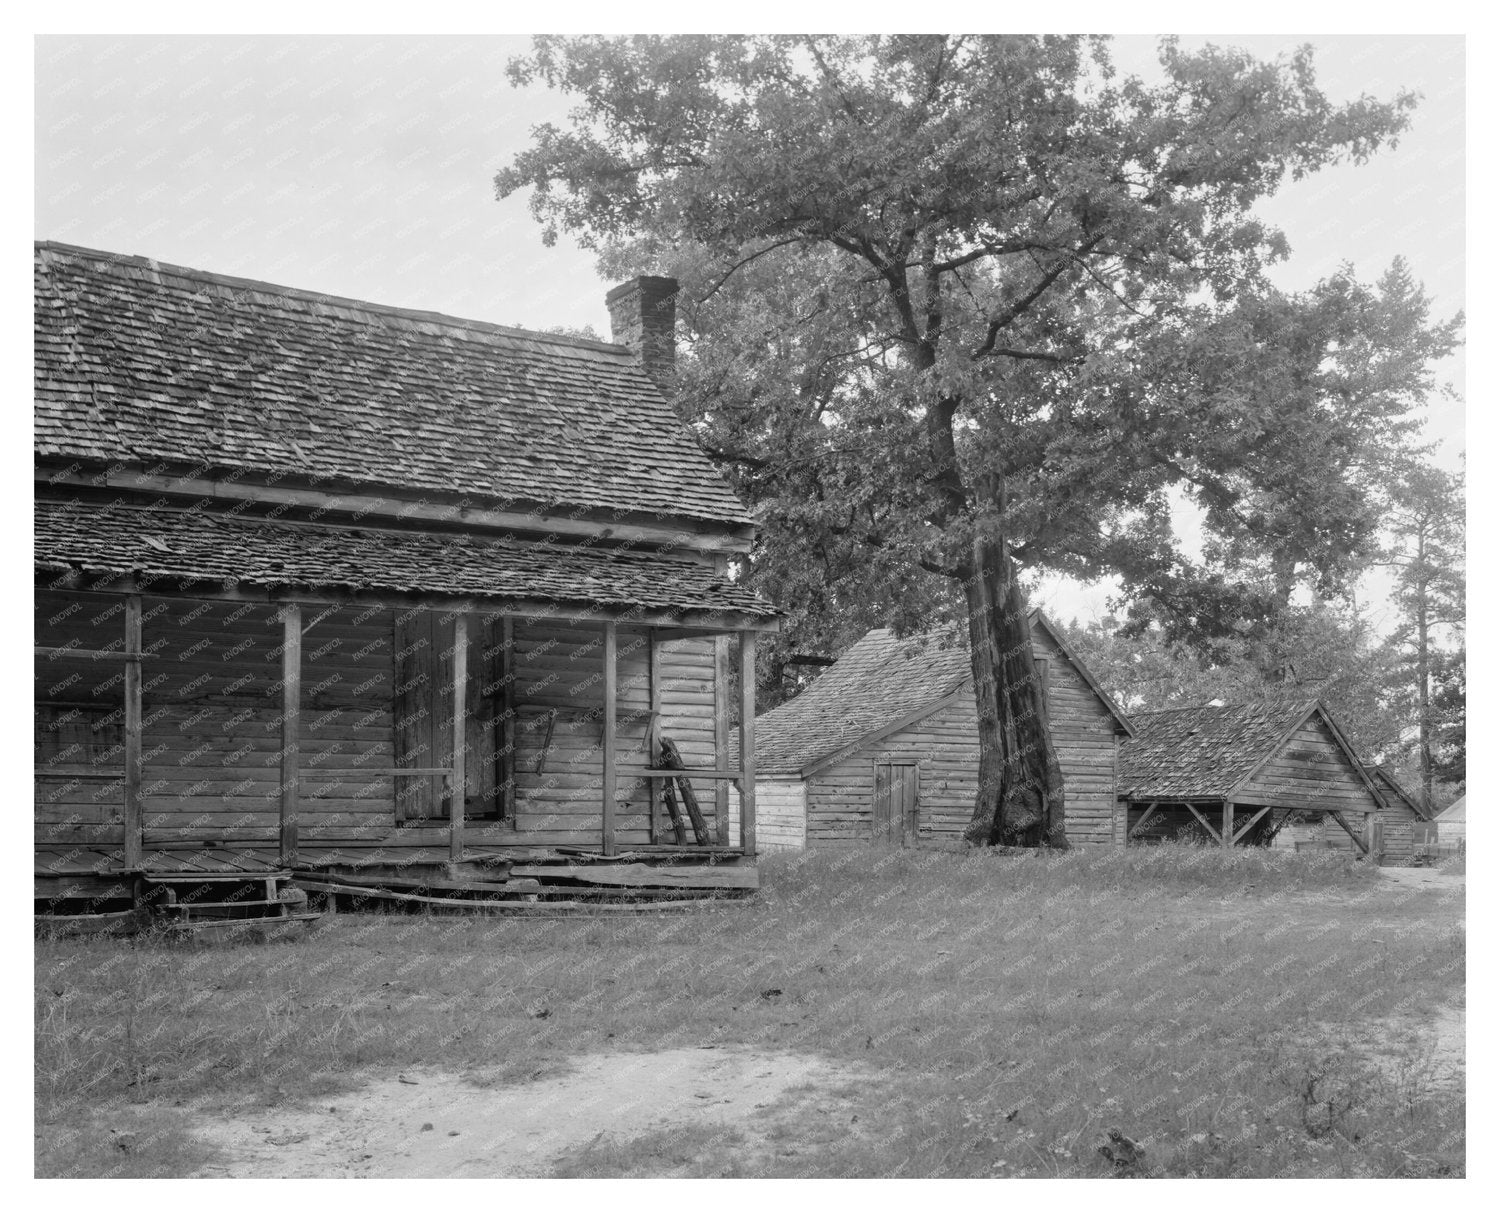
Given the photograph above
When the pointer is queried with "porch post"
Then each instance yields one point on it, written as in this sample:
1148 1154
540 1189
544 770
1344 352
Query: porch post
721 737
508 727
291 706
747 742
653 730
456 778
608 739
132 813
1226 839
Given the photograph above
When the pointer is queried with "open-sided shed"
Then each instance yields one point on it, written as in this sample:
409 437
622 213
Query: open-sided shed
884 745
1242 772
336 588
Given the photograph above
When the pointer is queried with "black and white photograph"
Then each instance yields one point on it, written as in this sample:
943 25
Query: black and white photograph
749 606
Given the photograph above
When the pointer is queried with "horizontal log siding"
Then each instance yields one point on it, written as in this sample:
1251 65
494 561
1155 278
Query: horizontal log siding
212 720
79 719
945 746
1311 771
212 716
780 814
560 666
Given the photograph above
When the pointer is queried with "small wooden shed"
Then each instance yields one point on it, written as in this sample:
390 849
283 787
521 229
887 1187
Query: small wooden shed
884 746
1450 824
1243 772
1402 817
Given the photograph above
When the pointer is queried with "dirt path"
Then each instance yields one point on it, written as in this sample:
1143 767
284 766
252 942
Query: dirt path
1423 878
431 1124
1425 1051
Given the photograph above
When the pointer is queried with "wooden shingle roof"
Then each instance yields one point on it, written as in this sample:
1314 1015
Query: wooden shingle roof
1206 753
156 364
191 546
881 683
881 679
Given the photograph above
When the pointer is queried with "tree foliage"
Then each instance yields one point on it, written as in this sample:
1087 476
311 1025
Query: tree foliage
1325 650
1427 554
968 304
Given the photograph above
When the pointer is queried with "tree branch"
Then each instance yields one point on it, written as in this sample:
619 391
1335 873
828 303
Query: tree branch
744 261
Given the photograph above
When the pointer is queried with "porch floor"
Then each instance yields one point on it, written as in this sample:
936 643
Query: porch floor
58 861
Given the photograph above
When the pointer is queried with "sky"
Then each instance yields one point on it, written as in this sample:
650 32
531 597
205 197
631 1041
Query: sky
363 167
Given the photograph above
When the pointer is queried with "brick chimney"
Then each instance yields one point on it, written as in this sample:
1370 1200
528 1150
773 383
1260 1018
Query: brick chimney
643 317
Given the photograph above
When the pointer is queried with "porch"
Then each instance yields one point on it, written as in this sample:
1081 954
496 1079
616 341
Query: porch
388 739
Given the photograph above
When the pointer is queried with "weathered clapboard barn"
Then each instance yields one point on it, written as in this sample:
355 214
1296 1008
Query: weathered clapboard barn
884 746
1452 824
1400 819
1239 773
329 586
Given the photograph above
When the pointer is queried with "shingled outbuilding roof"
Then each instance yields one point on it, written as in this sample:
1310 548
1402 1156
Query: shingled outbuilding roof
154 544
156 364
1208 752
882 682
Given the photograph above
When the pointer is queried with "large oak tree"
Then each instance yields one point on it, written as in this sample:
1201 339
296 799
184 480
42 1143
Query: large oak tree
1026 276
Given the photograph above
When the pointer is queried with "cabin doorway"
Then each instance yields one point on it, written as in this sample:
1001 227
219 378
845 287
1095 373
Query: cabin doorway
896 802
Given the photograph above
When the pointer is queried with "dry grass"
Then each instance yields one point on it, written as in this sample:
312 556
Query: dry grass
1017 1005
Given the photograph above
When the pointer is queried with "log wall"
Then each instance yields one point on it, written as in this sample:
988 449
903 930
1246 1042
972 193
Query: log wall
945 746
780 814
376 693
1310 771
560 673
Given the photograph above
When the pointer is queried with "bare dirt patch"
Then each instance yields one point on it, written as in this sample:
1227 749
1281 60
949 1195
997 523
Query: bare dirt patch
1424 878
1419 1054
427 1123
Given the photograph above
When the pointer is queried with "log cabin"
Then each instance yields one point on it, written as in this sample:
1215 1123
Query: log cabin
337 588
1241 774
884 746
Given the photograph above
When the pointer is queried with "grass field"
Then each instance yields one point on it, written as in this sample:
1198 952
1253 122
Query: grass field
1244 1014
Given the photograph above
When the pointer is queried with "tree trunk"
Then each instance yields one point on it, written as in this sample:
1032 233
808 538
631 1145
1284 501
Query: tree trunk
1424 682
1020 799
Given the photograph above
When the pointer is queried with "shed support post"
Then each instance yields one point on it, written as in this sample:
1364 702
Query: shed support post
747 742
456 778
1250 825
1344 825
1141 824
1226 834
607 840
132 812
291 709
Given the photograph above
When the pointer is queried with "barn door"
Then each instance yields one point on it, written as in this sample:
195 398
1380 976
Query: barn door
896 802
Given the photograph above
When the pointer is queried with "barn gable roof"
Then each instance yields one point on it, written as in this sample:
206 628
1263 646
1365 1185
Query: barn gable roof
882 684
1454 813
162 365
1210 752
